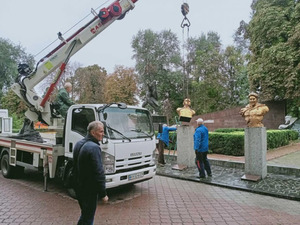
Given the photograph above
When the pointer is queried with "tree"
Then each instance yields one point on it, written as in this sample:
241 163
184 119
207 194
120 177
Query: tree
202 50
207 56
204 53
13 103
158 62
89 83
241 38
219 76
236 85
155 52
10 56
274 68
15 107
125 80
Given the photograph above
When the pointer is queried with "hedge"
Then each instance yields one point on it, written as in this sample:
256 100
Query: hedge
227 143
230 141
228 130
233 143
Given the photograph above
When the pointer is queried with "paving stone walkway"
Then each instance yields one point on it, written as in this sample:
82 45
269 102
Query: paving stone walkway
284 186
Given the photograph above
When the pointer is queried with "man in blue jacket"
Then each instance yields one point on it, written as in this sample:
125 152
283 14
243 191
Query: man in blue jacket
201 149
89 172
164 136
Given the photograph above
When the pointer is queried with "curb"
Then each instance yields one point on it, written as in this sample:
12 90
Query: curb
282 170
230 187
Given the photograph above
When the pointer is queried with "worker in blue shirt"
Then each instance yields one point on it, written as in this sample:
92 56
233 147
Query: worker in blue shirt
164 136
201 149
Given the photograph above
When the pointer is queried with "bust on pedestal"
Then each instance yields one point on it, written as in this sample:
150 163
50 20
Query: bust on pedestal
185 113
185 152
255 139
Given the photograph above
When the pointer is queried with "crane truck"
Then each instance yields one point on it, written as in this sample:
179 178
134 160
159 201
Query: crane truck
128 147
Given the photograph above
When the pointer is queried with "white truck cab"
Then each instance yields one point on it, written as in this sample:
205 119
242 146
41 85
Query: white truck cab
128 147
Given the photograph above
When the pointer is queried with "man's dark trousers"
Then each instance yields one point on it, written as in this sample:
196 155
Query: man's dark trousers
202 164
88 205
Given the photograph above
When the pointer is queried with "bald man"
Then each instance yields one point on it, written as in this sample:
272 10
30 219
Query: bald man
88 169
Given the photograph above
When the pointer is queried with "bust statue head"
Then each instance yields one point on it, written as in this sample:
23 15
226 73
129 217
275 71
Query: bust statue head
253 99
185 113
187 102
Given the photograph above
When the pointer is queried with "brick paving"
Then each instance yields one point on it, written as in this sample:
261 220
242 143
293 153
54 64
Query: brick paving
162 200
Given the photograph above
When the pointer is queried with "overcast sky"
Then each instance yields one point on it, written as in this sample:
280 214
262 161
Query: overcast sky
35 23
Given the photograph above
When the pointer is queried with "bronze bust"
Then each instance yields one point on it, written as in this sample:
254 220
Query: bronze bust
185 113
254 112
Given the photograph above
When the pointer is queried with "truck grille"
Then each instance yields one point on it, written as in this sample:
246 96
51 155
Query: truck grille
134 163
132 169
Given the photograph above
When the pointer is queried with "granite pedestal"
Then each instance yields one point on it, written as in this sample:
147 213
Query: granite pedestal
185 146
255 153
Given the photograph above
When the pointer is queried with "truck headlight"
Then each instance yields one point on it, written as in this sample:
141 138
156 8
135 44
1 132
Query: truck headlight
153 158
108 163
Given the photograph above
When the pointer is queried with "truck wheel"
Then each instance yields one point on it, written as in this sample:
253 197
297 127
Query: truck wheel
7 170
67 178
68 183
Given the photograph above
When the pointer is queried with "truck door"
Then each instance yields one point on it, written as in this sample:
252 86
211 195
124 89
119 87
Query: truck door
76 127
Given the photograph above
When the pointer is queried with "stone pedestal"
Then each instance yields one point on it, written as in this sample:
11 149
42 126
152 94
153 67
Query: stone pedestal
255 153
185 146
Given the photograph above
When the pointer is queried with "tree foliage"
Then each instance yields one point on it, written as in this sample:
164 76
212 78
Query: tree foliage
121 86
14 104
274 31
10 56
207 76
158 61
155 52
89 83
15 107
236 85
219 76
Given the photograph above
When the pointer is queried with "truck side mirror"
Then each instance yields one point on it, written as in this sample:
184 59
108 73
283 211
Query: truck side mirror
104 116
105 139
122 105
104 127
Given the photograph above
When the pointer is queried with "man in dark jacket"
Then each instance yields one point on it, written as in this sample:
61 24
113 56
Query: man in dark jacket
63 100
89 172
201 148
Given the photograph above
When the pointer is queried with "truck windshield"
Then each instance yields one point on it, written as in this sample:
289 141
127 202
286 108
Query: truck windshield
127 123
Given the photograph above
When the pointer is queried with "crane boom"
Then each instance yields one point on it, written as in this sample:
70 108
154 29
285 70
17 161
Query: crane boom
39 109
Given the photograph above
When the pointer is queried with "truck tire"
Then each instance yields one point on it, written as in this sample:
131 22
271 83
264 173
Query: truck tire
68 183
67 178
7 170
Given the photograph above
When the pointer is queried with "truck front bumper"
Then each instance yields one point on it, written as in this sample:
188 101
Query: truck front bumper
118 179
